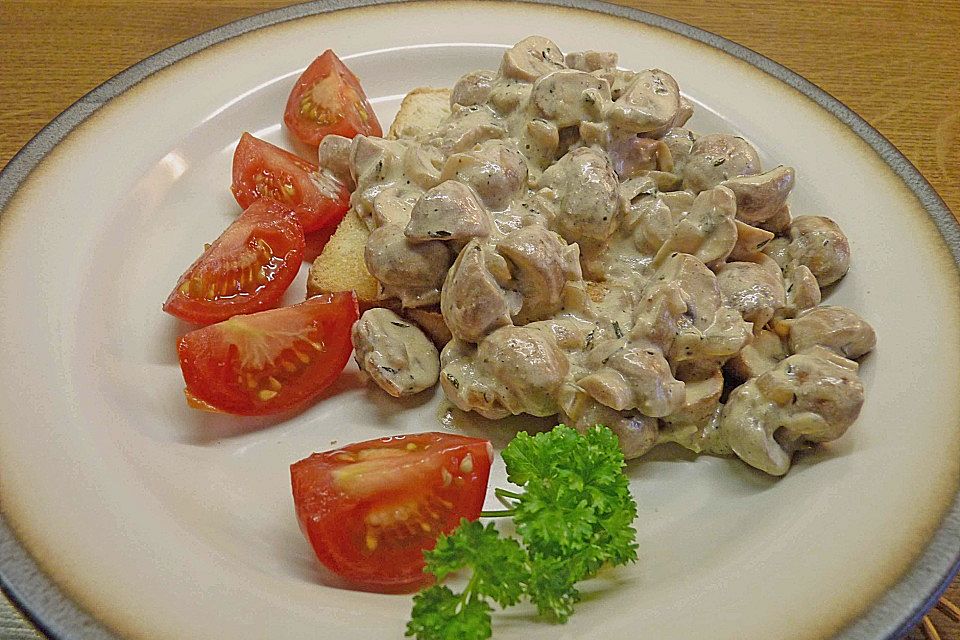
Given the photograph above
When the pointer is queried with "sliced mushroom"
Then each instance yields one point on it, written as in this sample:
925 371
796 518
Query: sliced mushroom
653 223
473 88
393 206
718 157
633 155
752 290
684 114
680 143
708 232
373 163
591 60
651 102
750 242
333 154
472 302
806 398
618 79
396 354
725 336
529 366
758 357
779 250
836 328
761 196
509 95
779 222
567 97
542 264
466 127
372 158
701 399
450 211
514 370
699 437
539 141
636 433
532 57
494 169
588 194
632 375
698 288
422 164
818 243
409 271
802 289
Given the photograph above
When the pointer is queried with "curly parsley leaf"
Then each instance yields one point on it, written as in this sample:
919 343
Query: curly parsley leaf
498 564
440 614
577 500
574 516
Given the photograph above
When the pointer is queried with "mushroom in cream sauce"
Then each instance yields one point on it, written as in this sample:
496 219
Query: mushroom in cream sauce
596 260
394 353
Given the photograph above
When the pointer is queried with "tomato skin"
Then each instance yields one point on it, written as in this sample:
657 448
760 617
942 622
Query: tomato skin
328 99
271 361
246 269
261 169
347 501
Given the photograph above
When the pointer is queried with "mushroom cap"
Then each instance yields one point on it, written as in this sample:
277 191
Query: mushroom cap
473 88
541 264
760 197
708 232
395 353
717 157
472 302
589 195
650 102
568 97
836 328
818 243
450 211
751 289
632 375
495 170
531 58
413 272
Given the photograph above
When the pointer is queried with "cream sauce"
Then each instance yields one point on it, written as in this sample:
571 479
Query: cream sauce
572 231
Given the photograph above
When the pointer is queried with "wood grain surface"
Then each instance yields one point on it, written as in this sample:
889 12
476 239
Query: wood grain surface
894 62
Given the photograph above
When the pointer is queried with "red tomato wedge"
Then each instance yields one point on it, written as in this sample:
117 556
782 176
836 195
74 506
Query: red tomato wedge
261 170
270 361
370 509
328 99
246 269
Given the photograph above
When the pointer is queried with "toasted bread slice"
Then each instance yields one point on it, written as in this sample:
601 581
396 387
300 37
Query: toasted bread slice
341 266
421 111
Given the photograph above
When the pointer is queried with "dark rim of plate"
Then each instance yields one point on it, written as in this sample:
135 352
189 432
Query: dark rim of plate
890 617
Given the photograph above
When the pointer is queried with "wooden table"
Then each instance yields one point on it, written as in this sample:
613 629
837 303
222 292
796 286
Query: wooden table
893 62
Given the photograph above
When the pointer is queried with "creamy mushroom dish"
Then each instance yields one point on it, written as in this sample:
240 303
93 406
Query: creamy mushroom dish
595 260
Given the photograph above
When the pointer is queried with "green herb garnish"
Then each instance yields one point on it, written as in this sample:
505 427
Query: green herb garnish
574 516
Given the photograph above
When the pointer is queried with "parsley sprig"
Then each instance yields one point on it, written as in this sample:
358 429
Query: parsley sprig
574 516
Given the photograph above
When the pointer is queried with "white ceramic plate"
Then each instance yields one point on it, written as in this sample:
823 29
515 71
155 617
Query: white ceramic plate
162 522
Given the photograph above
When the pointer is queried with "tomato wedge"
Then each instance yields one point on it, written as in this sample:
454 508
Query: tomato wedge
370 509
261 169
326 99
270 361
246 269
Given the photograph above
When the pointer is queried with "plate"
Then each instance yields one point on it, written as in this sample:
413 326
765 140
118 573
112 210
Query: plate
163 522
